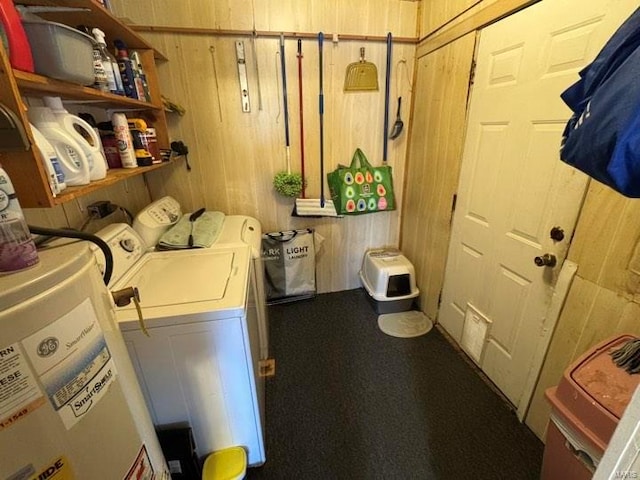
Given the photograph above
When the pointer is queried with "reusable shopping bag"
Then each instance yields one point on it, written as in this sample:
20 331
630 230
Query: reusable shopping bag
289 260
361 188
602 138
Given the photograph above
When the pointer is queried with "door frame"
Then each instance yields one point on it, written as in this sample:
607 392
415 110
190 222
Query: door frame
567 273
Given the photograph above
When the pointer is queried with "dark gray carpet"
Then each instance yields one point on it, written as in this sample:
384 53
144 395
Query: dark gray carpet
349 402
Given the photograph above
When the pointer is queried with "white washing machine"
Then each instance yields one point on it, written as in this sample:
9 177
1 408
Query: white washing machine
196 352
153 220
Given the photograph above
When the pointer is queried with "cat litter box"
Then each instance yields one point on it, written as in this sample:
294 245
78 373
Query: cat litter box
389 279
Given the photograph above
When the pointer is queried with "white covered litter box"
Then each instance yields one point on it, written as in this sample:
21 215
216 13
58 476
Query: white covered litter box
389 279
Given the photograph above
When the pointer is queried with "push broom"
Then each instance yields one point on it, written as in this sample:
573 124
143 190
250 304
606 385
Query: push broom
306 207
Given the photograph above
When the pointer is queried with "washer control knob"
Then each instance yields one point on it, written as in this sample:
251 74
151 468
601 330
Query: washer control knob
128 245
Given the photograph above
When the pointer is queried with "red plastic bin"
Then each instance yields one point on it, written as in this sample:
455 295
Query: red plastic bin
586 407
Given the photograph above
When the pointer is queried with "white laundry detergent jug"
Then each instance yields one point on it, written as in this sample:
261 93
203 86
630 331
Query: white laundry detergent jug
50 160
83 134
73 161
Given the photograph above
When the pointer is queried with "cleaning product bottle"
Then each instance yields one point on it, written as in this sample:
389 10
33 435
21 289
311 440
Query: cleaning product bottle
142 88
100 65
17 249
125 142
137 128
73 161
112 69
19 48
126 69
110 144
83 134
50 160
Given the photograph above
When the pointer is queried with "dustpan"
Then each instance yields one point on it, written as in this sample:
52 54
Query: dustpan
361 76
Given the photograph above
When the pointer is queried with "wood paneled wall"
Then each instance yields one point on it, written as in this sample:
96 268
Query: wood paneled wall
437 13
433 163
604 299
235 155
131 194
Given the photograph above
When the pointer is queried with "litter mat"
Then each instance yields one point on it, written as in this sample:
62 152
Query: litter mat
405 324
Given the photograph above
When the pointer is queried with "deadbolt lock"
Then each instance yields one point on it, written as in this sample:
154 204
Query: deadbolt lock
557 234
546 260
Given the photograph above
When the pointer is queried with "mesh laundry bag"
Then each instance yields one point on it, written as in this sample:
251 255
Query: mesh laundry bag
290 265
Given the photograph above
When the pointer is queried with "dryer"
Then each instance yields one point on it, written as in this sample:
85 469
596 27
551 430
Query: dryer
199 362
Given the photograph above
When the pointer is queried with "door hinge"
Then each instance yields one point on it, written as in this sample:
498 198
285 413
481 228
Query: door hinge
454 200
472 72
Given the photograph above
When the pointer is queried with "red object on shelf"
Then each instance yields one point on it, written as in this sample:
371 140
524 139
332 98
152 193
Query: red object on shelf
19 48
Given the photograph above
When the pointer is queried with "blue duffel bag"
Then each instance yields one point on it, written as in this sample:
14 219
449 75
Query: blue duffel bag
602 138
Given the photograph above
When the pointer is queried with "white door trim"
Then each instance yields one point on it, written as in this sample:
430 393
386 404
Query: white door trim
563 285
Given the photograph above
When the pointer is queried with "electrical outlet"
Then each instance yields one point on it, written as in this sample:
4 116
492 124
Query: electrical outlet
101 209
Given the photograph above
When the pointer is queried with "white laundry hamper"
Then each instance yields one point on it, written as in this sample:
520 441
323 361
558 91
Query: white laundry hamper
389 279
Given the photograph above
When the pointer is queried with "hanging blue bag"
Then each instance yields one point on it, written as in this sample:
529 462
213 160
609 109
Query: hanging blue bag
602 137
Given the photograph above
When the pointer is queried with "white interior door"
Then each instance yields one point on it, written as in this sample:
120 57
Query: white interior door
513 189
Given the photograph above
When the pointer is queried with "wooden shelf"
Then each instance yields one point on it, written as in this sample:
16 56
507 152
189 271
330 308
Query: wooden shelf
25 167
114 176
90 12
33 83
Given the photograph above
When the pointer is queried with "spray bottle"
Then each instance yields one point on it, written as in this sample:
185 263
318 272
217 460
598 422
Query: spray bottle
112 69
17 249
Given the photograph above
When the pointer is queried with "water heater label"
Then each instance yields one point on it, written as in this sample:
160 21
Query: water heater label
73 362
19 391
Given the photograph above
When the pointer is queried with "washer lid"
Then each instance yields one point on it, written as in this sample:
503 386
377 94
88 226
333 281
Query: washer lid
187 285
165 279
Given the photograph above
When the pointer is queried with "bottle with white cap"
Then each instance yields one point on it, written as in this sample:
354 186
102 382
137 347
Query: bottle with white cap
17 249
73 161
50 161
110 63
125 141
83 134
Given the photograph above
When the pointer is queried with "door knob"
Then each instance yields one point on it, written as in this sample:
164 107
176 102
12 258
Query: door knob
546 260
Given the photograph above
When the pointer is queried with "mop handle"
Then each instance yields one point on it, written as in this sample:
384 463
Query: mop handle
386 101
321 110
284 100
301 113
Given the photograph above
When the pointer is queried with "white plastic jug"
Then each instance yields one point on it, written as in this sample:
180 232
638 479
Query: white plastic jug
50 161
83 134
73 161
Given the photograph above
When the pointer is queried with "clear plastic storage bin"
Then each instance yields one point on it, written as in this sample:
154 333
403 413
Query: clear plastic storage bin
60 52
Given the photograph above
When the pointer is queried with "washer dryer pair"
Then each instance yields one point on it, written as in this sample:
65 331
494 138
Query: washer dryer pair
197 349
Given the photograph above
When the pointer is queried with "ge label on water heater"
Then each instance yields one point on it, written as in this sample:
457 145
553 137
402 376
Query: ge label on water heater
19 391
73 362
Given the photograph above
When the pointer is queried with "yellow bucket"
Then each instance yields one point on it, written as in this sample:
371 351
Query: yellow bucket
227 464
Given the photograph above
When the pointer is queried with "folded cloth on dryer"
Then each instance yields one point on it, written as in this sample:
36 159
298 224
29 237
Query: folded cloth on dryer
206 229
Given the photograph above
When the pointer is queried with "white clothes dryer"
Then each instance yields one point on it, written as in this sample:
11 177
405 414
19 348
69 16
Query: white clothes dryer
199 361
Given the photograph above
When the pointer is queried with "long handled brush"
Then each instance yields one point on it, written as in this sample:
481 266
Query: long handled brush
306 207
